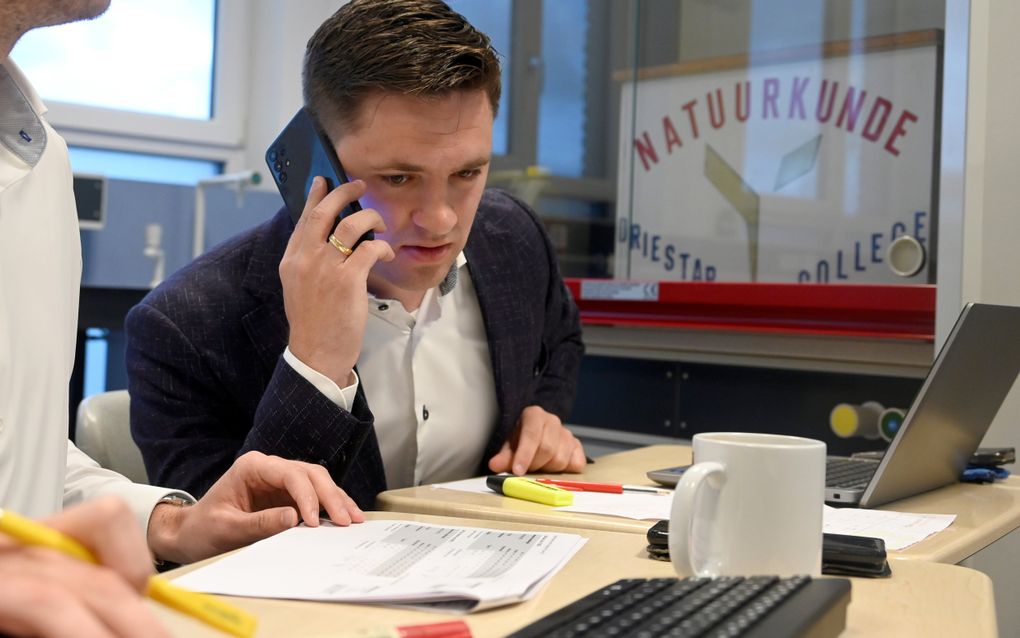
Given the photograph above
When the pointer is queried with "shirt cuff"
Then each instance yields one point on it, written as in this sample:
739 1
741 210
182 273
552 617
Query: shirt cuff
342 397
142 499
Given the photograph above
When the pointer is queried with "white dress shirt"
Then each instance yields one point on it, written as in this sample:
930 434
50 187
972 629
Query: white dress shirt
428 380
40 275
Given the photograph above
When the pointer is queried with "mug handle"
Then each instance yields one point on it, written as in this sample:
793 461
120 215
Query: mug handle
681 518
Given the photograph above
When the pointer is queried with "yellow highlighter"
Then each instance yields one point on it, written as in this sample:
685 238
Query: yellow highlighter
212 611
529 490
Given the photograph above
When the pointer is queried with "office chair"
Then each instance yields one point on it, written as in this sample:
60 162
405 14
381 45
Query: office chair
104 433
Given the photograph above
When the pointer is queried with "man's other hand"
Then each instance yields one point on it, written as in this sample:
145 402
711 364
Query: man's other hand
46 593
259 496
540 443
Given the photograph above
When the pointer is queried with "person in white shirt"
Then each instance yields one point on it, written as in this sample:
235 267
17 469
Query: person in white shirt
41 592
466 341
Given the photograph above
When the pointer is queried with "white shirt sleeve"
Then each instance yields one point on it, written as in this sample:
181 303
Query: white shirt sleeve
342 397
85 479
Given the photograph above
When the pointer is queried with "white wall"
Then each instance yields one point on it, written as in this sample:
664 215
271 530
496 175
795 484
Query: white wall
280 31
980 199
991 231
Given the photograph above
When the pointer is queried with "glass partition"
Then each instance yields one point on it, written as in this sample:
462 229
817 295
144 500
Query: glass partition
743 197
790 142
737 141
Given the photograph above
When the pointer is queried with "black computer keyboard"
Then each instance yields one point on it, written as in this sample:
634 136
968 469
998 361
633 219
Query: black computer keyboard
755 606
848 473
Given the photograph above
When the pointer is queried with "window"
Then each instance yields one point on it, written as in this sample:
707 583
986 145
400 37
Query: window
161 78
556 82
97 352
64 61
562 104
494 18
142 166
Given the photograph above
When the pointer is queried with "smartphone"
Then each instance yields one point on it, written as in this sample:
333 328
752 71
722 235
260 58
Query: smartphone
993 456
299 153
862 550
658 534
844 555
841 554
839 548
669 476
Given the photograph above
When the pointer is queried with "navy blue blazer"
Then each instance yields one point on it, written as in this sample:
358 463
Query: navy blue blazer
208 381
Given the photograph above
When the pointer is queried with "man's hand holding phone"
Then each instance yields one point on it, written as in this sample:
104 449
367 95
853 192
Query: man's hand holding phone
325 291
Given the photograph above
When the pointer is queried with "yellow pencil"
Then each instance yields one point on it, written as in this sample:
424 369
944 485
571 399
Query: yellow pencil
209 610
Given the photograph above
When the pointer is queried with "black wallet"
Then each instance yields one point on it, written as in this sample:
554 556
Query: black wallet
842 555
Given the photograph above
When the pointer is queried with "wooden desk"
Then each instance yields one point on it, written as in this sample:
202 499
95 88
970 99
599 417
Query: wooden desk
984 513
921 599
624 467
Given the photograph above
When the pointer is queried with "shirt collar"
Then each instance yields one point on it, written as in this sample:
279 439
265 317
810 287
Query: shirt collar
447 285
22 131
449 282
26 87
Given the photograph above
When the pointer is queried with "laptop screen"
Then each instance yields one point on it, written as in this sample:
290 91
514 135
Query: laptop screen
960 397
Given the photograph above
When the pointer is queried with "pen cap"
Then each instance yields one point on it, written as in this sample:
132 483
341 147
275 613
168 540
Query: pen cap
495 483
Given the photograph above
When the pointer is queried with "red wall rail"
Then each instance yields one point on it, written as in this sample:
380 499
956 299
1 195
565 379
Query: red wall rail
883 311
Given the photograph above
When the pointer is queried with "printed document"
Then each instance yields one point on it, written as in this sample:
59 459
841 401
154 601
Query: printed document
899 530
393 562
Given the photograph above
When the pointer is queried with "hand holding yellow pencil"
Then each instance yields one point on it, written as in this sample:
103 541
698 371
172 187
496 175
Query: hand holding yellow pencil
208 609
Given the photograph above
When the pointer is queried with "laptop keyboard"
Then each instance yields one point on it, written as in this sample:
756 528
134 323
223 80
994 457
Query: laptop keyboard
753 607
848 473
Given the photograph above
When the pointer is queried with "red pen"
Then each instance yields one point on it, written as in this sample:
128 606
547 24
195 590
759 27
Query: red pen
585 486
447 629
450 629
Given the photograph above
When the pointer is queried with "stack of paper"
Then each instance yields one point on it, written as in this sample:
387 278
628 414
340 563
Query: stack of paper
392 562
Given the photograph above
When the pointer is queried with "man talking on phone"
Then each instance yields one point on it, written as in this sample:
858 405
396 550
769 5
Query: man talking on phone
446 347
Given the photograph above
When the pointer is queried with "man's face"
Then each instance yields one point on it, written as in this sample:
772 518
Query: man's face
424 161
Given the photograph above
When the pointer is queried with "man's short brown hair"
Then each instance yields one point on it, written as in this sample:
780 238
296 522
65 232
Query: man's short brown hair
413 47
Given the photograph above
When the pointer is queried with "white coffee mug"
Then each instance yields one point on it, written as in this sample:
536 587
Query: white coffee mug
751 504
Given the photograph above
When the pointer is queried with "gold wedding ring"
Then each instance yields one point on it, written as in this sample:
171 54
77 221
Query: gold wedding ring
339 245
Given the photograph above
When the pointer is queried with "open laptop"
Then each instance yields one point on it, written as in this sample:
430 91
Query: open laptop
960 397
955 406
